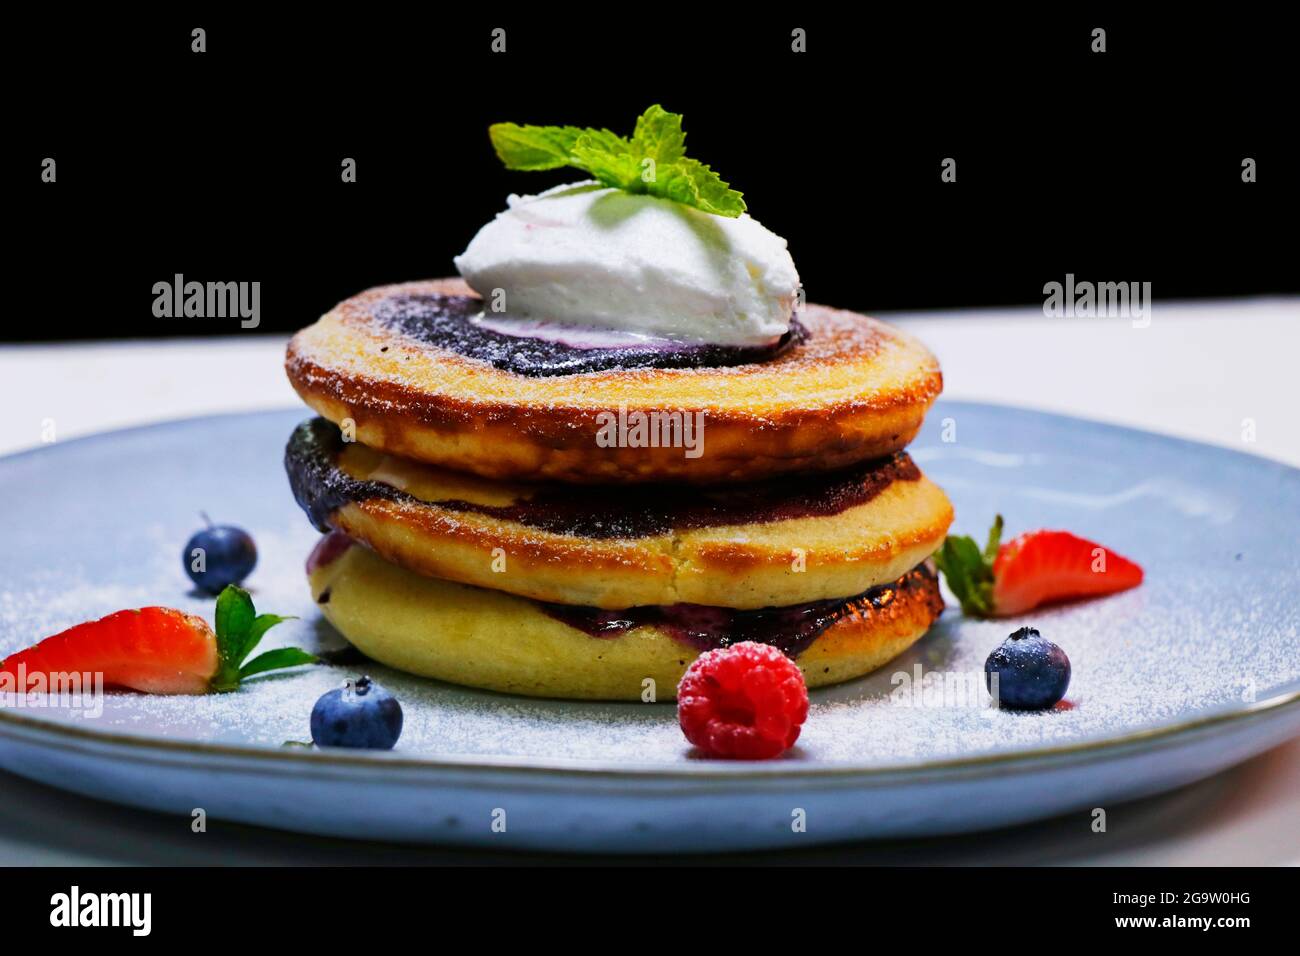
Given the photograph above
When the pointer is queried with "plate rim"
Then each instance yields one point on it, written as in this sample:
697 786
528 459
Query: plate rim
1162 734
704 770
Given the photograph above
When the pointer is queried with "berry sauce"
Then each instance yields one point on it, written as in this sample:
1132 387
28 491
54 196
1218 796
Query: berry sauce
328 550
790 629
627 511
445 321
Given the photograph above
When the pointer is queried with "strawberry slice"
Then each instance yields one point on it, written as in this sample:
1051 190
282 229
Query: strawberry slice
1043 566
1039 567
159 650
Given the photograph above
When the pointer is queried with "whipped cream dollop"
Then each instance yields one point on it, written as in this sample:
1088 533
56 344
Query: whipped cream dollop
617 266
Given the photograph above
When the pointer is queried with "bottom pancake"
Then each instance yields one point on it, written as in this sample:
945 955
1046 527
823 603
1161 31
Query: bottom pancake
490 639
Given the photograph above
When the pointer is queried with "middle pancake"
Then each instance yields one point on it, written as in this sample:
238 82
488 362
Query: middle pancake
776 542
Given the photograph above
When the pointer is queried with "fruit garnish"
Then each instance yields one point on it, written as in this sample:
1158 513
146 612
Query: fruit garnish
1036 568
160 650
218 556
653 161
1032 672
746 701
360 714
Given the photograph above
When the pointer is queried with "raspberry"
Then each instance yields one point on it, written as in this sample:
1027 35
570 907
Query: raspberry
746 701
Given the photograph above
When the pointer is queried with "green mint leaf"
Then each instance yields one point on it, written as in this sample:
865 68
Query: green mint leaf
240 629
261 624
275 660
994 541
969 570
534 147
652 162
603 141
659 136
610 159
234 618
705 188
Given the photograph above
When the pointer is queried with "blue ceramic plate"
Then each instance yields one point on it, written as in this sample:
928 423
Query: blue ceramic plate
1194 671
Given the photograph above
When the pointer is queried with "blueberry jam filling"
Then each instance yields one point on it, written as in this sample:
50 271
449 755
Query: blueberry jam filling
445 321
634 511
320 488
790 629
328 549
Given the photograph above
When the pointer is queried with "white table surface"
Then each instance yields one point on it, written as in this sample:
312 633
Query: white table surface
1198 371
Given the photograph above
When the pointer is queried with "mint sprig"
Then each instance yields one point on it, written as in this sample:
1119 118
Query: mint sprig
652 162
969 570
239 630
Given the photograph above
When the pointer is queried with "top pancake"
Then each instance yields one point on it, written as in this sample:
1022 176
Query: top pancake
853 389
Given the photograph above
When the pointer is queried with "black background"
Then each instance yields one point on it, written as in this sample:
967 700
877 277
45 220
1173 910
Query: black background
224 166
735 908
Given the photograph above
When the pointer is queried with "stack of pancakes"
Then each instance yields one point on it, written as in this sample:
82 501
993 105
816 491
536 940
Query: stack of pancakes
513 539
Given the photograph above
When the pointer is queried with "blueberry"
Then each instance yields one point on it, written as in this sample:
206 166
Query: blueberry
219 555
1033 673
360 714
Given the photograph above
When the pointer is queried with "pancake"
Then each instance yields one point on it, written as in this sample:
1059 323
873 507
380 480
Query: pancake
488 639
778 542
406 366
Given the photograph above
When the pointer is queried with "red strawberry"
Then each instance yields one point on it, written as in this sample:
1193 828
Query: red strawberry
1036 568
160 650
156 649
1044 566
